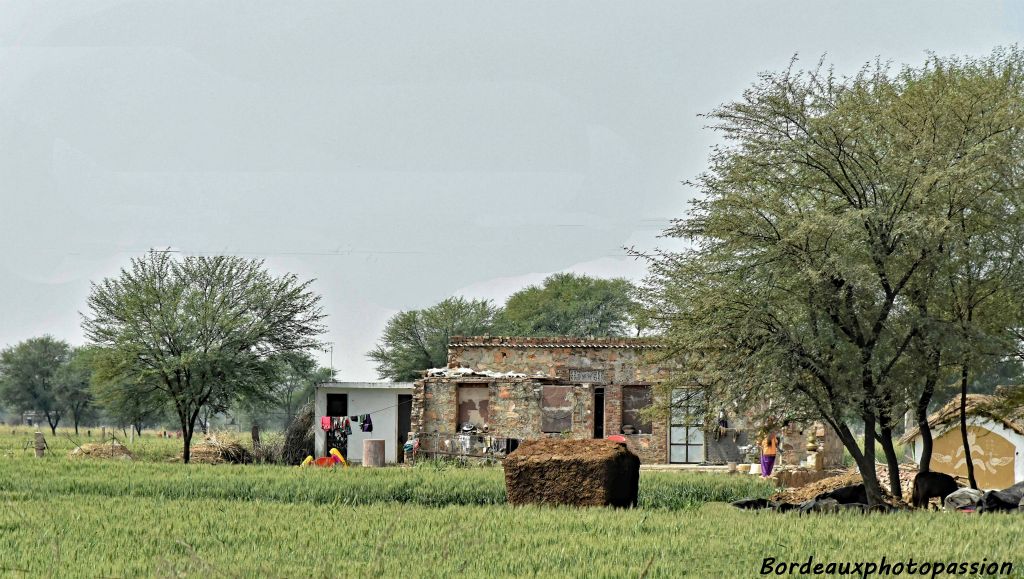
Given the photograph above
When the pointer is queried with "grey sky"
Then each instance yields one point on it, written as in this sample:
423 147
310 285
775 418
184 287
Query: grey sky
397 152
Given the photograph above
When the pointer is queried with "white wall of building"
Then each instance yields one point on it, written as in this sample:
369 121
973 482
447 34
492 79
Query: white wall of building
997 427
379 400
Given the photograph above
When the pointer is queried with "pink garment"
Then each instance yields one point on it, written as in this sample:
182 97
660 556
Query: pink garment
325 422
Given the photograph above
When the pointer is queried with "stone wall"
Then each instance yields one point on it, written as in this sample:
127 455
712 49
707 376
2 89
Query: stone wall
515 411
582 360
515 405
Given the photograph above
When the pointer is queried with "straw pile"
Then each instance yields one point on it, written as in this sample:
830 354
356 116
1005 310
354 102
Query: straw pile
112 449
217 451
850 477
298 438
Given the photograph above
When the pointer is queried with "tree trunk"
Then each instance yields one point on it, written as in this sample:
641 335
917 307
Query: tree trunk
963 426
74 417
867 463
186 442
53 422
255 436
892 461
924 465
138 428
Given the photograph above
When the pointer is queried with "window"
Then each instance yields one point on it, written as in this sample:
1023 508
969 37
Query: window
686 428
474 401
556 409
337 405
635 399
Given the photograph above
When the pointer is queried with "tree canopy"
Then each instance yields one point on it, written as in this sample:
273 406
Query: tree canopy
198 332
567 304
842 229
416 340
29 377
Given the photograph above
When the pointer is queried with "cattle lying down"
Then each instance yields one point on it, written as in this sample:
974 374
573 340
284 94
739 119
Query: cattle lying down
782 507
1008 499
820 505
847 495
750 504
932 484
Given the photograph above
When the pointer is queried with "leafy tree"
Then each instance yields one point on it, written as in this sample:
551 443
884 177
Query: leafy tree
127 403
28 376
416 340
827 234
567 304
73 380
199 332
294 380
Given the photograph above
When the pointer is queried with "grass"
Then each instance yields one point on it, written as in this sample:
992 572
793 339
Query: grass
86 518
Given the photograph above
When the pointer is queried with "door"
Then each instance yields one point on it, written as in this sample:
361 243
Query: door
337 405
686 427
598 412
404 423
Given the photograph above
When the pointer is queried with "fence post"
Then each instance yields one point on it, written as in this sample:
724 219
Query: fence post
40 444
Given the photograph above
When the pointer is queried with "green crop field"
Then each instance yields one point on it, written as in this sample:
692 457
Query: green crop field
92 518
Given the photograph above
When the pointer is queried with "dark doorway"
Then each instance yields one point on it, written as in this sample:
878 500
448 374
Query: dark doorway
599 413
404 423
337 405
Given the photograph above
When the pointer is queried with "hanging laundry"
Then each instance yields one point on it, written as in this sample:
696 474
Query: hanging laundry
366 425
347 428
325 422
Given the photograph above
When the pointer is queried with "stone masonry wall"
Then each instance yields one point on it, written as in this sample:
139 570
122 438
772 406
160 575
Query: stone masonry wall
515 405
515 412
632 362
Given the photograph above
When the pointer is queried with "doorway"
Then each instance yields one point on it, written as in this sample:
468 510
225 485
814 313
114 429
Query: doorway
337 405
404 423
598 412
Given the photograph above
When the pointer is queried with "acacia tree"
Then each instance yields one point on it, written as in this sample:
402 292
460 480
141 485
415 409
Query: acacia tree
416 340
72 389
827 221
567 304
28 376
198 332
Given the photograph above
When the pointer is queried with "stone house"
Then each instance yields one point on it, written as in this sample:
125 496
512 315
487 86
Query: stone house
523 388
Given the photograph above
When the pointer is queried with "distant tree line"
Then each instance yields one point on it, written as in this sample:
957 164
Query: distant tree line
564 304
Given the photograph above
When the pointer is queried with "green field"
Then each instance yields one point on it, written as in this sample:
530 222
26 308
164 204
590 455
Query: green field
110 518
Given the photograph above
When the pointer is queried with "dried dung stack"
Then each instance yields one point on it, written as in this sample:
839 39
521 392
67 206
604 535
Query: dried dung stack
846 478
215 451
112 449
572 472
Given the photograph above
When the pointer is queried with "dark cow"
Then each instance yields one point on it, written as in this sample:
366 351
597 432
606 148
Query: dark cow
847 495
750 504
932 484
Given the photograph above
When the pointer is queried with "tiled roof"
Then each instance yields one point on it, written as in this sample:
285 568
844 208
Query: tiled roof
551 342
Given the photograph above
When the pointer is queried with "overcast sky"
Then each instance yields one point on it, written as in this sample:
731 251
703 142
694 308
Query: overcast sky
398 153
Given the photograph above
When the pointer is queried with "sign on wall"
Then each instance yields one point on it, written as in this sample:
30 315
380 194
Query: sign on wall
586 376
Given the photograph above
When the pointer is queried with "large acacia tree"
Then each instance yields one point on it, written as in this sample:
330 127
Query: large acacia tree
199 332
829 247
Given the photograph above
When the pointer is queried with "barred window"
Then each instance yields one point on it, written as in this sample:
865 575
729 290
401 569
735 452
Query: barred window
635 399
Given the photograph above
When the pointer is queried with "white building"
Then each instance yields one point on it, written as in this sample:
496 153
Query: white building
389 405
996 442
